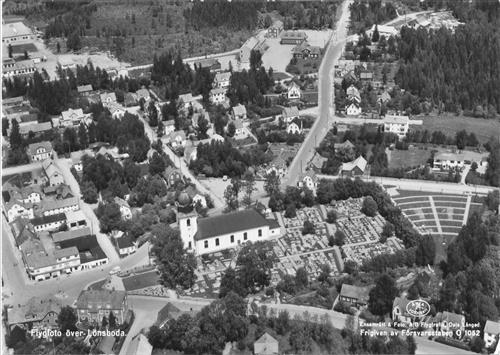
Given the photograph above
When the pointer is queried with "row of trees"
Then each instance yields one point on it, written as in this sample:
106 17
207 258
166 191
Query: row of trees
365 13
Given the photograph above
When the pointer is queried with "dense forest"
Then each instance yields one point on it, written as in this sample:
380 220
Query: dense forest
366 13
305 14
455 70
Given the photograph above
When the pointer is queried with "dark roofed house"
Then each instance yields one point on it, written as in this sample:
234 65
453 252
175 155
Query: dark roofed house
50 222
355 295
37 313
125 245
169 311
130 99
93 305
293 37
84 89
91 254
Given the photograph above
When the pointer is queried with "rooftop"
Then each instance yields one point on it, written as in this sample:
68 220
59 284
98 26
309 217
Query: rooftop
492 327
37 221
229 223
463 155
394 119
94 300
35 127
15 29
359 162
67 235
32 148
36 308
356 292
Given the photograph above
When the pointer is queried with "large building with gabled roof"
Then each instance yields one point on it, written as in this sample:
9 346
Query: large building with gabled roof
225 231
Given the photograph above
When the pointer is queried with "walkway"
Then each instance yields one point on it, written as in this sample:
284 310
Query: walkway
436 217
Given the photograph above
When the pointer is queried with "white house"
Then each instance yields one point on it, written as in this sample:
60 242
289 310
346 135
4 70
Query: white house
108 98
168 127
125 210
16 208
266 345
240 130
383 30
397 124
125 245
294 128
239 112
450 322
40 151
461 159
196 197
52 173
72 117
356 167
353 93
353 108
48 223
491 333
216 233
309 180
178 139
294 92
52 207
217 95
222 80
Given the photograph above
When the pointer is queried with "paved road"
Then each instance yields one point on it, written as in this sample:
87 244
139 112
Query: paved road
326 92
19 169
424 185
180 163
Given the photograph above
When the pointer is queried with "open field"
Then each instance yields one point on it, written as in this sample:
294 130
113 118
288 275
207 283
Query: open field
20 48
484 129
408 158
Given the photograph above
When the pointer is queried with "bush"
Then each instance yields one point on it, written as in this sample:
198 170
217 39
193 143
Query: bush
308 227
344 307
331 216
370 207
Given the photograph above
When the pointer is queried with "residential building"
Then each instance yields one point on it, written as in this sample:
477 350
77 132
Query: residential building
211 63
266 345
177 139
40 151
24 194
305 51
196 197
58 191
246 49
70 117
239 112
139 345
91 254
353 108
12 68
130 99
384 98
294 92
216 233
294 128
58 237
450 322
289 114
222 80
187 100
48 223
43 264
293 37
309 180
317 162
353 92
13 101
15 32
84 90
35 129
240 130
52 173
275 29
491 333
16 209
460 160
168 127
36 314
169 311
108 98
172 176
365 75
356 167
22 230
75 220
52 207
190 154
218 96
399 312
398 125
125 210
125 245
93 305
143 94
354 295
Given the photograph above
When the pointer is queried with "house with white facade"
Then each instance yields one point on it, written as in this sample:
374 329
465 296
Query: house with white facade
40 151
491 333
218 96
108 98
93 305
52 207
309 180
16 209
396 124
216 233
239 112
125 245
48 223
52 173
353 108
177 139
460 160
125 210
70 117
294 92
290 113
222 80
168 127
294 128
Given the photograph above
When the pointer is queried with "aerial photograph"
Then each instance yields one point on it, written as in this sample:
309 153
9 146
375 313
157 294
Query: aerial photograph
239 177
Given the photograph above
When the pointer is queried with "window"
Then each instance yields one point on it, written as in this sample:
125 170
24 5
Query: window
232 239
260 232
188 222
216 242
206 244
245 236
189 245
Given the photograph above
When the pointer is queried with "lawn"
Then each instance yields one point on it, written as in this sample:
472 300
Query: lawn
484 129
408 158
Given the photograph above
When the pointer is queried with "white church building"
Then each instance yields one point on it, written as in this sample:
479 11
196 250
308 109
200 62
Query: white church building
212 234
